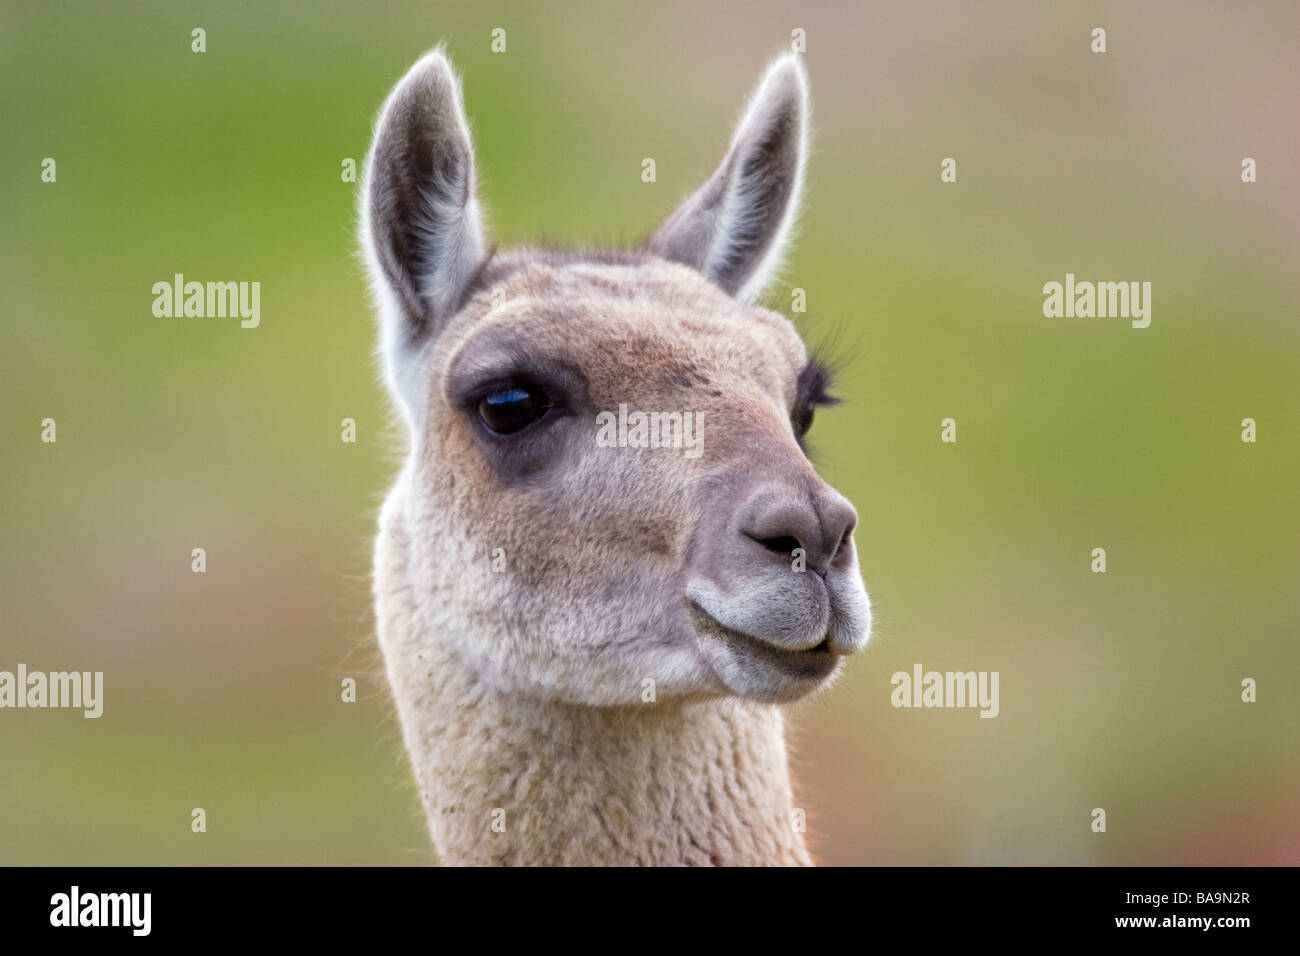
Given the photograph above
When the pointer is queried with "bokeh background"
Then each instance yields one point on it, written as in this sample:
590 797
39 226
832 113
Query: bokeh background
1118 690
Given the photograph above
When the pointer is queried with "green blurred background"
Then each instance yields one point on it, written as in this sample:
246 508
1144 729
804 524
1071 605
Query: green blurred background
1118 690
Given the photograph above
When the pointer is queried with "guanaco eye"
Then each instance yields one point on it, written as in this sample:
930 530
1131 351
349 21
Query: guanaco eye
803 419
512 409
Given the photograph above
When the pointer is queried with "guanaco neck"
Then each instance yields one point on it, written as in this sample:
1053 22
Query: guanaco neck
524 782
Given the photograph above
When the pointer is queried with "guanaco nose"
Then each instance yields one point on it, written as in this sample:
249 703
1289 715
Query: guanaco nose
820 523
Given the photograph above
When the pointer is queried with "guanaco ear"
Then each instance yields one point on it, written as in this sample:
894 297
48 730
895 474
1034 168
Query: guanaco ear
421 225
735 228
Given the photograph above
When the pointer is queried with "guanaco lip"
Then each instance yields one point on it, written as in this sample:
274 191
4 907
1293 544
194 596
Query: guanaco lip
813 663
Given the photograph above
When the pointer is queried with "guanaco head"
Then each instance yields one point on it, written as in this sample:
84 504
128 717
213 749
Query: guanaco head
607 483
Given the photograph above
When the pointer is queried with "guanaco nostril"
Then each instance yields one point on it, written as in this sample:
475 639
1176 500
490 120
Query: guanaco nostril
783 545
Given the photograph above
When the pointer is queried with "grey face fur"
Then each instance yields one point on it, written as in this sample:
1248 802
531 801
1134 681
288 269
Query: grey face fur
542 561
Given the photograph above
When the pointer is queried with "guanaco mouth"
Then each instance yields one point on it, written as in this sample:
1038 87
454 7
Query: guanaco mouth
814 663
